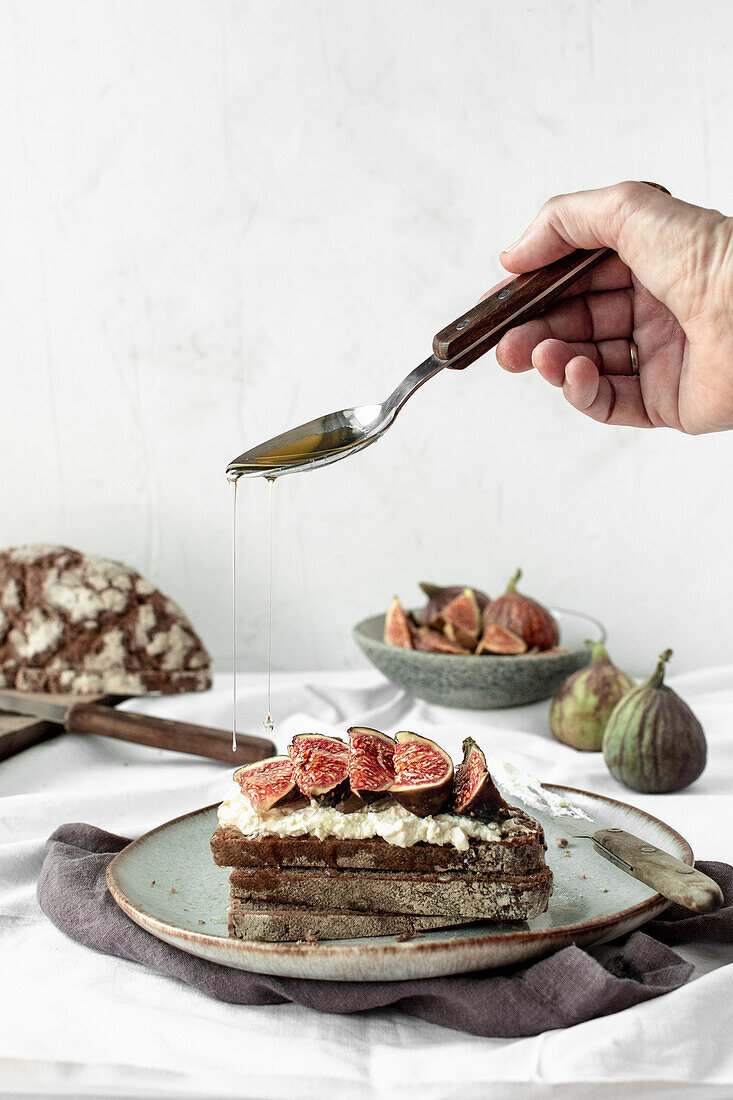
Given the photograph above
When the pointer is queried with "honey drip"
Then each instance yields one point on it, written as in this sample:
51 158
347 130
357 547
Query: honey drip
268 722
234 621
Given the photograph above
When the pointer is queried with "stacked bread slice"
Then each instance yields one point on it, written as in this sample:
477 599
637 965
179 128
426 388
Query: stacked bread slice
377 837
306 888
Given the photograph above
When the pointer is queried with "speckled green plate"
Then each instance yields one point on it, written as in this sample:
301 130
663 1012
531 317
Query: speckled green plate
485 682
168 883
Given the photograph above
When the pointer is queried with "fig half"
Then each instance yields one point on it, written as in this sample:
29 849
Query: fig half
462 619
267 783
497 639
432 641
440 596
423 775
397 629
371 763
474 791
320 767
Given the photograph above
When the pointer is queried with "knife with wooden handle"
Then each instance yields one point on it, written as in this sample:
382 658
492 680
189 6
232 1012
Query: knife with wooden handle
76 716
669 876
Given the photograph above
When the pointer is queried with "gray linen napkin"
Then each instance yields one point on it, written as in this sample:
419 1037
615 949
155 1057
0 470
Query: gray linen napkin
567 988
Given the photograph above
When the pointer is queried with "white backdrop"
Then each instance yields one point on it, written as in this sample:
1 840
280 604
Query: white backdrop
219 218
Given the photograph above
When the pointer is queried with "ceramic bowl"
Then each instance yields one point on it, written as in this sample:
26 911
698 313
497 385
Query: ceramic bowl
485 682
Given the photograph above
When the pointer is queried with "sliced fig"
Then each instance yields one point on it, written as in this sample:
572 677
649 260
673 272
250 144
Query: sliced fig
397 629
267 783
439 597
462 619
371 763
474 791
432 641
321 767
523 616
423 775
497 639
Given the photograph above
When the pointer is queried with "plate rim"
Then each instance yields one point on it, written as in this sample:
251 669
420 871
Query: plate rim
332 949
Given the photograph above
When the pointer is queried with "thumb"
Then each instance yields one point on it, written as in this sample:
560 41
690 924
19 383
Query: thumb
626 217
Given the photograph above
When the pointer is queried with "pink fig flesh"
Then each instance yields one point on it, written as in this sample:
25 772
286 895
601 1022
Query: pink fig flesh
371 762
423 775
267 783
397 629
320 766
474 791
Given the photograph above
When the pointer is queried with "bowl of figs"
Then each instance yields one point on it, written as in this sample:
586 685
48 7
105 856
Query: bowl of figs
465 649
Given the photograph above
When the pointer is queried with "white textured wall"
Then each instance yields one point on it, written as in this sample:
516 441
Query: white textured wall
218 219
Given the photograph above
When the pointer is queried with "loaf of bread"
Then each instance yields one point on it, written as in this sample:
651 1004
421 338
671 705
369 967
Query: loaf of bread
73 622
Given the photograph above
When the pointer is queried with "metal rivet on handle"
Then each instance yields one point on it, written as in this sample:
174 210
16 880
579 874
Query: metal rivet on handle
503 294
613 830
685 870
461 325
646 848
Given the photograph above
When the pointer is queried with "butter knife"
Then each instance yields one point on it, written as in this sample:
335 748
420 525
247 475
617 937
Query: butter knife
669 876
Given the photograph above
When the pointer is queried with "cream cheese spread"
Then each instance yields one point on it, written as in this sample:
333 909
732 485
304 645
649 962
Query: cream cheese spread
519 784
394 824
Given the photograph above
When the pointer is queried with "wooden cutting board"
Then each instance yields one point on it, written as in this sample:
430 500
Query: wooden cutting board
18 731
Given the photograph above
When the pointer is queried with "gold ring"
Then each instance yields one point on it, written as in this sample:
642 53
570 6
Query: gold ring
634 353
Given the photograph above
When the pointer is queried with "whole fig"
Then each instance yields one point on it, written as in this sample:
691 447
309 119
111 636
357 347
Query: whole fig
653 742
523 616
583 703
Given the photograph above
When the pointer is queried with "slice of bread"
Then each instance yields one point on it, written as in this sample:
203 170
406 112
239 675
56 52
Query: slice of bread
257 920
448 894
520 850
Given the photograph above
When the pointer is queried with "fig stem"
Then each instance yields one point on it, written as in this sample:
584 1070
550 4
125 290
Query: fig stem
657 677
512 586
429 589
597 652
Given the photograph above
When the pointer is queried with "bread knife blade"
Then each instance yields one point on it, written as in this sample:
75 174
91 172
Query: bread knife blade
77 715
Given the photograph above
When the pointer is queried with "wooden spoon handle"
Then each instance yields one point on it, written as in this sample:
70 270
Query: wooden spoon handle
519 301
165 733
482 327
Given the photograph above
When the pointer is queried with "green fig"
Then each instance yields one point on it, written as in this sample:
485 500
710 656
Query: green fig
653 742
583 703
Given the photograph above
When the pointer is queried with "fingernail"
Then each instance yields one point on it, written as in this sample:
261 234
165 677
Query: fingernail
514 245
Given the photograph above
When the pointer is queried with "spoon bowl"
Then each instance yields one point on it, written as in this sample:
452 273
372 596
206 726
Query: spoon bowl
340 434
311 445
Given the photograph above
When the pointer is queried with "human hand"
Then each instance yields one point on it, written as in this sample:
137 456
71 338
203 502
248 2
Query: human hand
669 289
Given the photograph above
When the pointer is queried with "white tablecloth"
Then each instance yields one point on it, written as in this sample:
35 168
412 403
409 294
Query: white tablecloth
77 1023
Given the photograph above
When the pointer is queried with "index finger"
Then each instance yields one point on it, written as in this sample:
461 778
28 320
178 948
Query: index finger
611 274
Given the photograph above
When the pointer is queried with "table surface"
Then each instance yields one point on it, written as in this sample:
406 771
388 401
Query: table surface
80 1023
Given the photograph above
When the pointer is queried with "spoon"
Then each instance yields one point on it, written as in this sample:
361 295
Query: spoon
340 434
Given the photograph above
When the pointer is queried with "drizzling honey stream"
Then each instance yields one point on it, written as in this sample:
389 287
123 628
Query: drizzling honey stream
268 723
